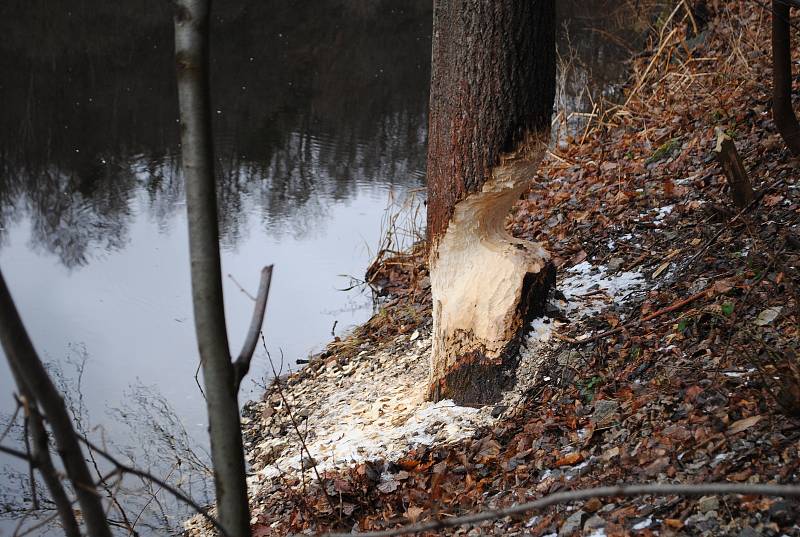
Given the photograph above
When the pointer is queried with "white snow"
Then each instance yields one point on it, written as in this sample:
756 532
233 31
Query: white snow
584 279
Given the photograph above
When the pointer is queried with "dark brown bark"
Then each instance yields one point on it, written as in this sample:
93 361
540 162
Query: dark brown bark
492 83
782 110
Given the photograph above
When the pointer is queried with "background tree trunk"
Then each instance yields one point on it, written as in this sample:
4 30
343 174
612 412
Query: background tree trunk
492 91
197 153
782 111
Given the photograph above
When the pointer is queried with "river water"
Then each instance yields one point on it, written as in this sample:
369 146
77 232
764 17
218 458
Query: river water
320 120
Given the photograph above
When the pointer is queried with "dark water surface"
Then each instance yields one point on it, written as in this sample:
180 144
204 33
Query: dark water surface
320 118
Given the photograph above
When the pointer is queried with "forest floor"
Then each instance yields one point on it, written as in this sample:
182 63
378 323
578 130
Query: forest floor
686 371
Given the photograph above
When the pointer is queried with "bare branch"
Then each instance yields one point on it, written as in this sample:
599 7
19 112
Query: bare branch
152 497
125 469
242 364
31 464
782 111
44 463
35 381
15 453
11 421
788 491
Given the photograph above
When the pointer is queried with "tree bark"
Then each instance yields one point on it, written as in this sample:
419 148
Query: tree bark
34 381
227 455
492 91
782 110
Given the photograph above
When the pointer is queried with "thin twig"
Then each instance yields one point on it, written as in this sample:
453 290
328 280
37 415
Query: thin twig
297 430
124 468
149 501
31 459
650 317
11 421
704 489
242 289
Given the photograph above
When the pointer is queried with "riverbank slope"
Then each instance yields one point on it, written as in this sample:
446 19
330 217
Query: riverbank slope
668 354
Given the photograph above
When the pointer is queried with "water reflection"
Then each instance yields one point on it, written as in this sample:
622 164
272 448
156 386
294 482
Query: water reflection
312 100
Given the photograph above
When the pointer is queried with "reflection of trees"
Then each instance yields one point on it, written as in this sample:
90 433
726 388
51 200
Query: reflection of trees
69 214
314 99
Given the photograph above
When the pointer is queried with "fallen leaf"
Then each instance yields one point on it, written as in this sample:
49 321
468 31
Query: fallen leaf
661 269
569 460
489 450
407 464
722 286
388 486
743 424
673 523
767 316
413 513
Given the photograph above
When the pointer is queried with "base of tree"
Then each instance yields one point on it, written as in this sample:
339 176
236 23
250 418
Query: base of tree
486 286
475 379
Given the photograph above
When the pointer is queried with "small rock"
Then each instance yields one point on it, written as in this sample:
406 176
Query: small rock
615 263
571 524
703 522
594 523
607 508
708 503
604 411
782 512
748 532
308 462
498 410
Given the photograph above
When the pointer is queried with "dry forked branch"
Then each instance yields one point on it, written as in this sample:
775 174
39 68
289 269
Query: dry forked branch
41 458
222 377
788 491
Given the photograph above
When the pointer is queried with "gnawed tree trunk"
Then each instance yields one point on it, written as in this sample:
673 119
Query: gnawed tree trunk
492 90
782 111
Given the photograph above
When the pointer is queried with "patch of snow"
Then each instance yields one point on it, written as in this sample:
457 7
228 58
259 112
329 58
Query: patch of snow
584 279
646 523
662 213
532 521
541 330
